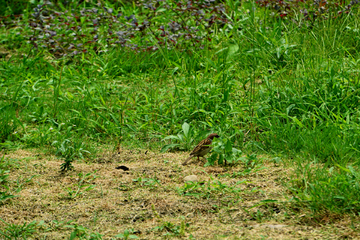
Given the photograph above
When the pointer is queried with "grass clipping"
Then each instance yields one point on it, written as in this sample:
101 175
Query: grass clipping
151 200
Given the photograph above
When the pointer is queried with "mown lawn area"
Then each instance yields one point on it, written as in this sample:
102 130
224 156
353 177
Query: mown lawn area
101 101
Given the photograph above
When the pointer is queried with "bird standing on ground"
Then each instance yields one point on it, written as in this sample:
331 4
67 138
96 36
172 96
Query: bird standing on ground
202 148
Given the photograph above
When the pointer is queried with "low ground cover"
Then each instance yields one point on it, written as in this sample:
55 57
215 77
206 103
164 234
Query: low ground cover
84 83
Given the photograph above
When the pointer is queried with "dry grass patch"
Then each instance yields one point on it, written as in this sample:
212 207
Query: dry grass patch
153 200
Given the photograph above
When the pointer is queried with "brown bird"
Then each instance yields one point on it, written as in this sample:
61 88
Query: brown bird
202 148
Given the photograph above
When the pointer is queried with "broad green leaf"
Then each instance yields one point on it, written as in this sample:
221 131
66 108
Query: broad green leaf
233 49
228 146
186 128
168 146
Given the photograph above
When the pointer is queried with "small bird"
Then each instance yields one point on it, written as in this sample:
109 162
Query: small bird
202 148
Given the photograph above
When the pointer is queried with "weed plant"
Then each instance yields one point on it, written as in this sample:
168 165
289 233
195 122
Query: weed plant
14 231
81 185
127 235
272 76
5 192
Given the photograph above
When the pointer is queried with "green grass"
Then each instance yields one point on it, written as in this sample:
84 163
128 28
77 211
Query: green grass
270 87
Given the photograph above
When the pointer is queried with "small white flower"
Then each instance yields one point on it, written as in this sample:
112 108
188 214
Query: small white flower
51 129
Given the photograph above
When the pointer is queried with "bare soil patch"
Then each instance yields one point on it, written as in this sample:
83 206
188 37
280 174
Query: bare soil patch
152 199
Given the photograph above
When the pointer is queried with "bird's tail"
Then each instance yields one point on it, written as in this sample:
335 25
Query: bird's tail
186 161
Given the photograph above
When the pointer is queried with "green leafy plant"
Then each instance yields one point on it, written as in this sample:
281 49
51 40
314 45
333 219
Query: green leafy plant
3 183
8 124
4 188
81 232
184 139
82 185
171 229
4 193
223 152
209 189
127 234
251 164
148 182
14 231
336 189
259 215
69 150
21 181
